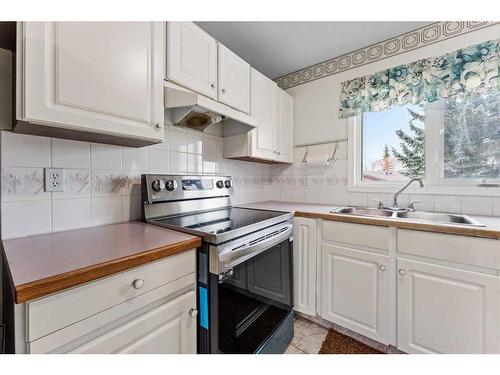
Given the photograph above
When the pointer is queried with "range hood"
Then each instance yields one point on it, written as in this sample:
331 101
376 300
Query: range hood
198 112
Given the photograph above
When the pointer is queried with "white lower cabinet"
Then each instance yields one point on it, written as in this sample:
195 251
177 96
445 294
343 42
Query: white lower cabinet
166 329
355 290
304 265
446 310
111 316
422 292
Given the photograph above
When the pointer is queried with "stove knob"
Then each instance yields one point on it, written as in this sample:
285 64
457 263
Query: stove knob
220 184
227 184
158 185
171 185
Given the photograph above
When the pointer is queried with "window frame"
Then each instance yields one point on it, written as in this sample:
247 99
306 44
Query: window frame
434 183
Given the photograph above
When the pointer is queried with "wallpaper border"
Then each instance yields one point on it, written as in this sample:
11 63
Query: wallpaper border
424 36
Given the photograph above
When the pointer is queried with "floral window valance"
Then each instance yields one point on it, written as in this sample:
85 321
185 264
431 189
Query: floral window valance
466 71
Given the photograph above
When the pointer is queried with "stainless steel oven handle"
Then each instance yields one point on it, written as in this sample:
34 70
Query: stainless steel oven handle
233 258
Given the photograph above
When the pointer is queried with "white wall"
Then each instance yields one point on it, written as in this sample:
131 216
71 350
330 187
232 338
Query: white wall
317 102
316 120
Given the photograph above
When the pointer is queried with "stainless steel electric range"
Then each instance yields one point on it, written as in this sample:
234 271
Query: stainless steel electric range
245 295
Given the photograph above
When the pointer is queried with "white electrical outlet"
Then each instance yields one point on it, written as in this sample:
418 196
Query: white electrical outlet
54 179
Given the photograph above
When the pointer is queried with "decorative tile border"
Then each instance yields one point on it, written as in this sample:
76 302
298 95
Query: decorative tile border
424 36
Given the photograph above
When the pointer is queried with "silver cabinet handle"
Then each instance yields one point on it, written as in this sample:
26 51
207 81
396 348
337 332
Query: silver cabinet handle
382 268
402 272
138 283
193 313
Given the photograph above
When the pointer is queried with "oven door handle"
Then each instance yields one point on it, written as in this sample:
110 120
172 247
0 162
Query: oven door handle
233 258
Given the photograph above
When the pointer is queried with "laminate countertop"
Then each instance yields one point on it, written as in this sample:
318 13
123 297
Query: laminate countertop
44 264
322 211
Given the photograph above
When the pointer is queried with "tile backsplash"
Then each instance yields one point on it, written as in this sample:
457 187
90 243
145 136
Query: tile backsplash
329 185
102 182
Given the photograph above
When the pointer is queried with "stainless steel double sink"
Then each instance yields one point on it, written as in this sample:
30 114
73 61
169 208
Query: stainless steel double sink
419 216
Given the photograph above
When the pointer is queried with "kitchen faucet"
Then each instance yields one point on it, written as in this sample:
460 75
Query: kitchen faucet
395 201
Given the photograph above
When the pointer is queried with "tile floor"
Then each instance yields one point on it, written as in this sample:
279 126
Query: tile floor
307 339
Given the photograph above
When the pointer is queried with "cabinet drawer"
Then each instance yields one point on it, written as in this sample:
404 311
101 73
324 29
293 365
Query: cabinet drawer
482 252
356 234
59 310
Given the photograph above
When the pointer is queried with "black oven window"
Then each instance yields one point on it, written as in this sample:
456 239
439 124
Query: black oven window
255 300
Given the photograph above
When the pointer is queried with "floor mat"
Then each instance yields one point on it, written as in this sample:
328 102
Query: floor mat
337 343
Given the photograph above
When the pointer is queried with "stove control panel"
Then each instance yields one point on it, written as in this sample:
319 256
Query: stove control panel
167 187
197 184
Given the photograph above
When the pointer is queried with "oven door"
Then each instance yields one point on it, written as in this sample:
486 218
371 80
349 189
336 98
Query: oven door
252 305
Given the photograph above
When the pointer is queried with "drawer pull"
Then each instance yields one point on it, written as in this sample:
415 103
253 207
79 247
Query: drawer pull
402 272
138 283
193 313
382 268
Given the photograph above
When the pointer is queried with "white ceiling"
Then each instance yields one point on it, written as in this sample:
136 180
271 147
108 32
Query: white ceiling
278 48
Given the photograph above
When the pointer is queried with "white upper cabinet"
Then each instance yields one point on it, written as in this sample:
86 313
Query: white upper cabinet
99 81
234 80
272 139
285 127
192 58
263 107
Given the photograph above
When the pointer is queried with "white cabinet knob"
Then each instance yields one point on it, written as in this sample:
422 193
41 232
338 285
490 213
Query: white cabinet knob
193 313
158 125
402 272
212 85
138 283
382 268
223 91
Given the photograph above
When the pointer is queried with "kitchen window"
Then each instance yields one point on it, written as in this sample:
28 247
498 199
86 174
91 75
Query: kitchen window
452 143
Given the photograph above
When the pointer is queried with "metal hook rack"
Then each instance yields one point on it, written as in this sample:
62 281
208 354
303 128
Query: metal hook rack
335 148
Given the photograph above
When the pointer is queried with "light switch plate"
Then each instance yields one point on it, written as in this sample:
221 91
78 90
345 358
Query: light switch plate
54 179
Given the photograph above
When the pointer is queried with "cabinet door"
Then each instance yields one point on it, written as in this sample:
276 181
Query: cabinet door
192 58
355 290
95 77
447 310
263 108
285 124
234 80
166 329
304 265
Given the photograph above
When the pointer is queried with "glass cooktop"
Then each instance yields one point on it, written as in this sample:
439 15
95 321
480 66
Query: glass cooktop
220 221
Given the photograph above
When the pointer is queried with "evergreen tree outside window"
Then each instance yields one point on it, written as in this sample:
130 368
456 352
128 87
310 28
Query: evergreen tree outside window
466 131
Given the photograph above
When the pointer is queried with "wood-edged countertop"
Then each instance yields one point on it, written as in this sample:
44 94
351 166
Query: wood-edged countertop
44 264
322 211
